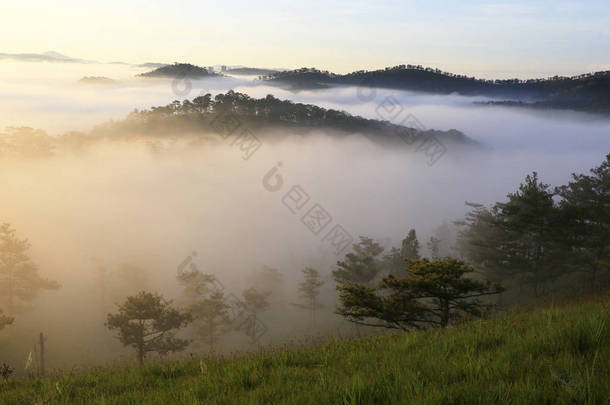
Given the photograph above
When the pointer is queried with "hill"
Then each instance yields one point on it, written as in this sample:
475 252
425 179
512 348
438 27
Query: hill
204 114
557 354
97 80
248 71
235 115
179 70
587 92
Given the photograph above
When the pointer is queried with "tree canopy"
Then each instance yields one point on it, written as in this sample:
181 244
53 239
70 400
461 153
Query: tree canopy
148 323
544 237
20 282
5 320
430 294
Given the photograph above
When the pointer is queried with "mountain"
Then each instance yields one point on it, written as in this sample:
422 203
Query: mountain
586 92
52 56
49 56
180 70
97 80
152 65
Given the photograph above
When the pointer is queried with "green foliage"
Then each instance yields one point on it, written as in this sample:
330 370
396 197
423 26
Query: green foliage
20 282
195 285
479 239
255 301
410 246
267 279
553 355
586 92
148 323
180 71
432 293
541 240
207 304
309 290
531 248
25 142
205 117
211 317
586 204
393 262
361 265
447 285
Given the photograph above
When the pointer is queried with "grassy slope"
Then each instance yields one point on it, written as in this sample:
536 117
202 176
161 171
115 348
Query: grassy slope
555 355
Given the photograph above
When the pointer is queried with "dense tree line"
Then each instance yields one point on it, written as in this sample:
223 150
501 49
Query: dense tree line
223 114
541 240
545 238
181 71
586 92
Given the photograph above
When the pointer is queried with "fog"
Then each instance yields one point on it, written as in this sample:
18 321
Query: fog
123 202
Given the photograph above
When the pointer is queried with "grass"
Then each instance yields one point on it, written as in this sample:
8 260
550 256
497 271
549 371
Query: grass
552 355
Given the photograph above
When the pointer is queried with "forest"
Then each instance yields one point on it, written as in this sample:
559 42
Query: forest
181 70
223 115
586 92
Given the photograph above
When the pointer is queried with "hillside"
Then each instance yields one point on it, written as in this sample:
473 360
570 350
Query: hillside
230 114
179 70
587 92
249 71
557 354
204 114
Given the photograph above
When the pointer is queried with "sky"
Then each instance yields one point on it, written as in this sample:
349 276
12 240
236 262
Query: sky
492 39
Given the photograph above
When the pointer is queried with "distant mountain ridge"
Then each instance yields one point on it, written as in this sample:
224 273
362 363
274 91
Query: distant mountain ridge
50 56
251 71
586 92
97 80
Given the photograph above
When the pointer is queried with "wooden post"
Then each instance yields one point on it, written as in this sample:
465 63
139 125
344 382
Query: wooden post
42 369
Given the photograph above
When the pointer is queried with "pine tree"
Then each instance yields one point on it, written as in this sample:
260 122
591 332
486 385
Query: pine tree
430 294
256 301
480 242
211 316
206 302
393 262
5 320
362 264
148 323
309 290
586 208
518 240
410 246
20 282
531 246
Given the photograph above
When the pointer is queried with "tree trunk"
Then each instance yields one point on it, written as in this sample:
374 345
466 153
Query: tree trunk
42 362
